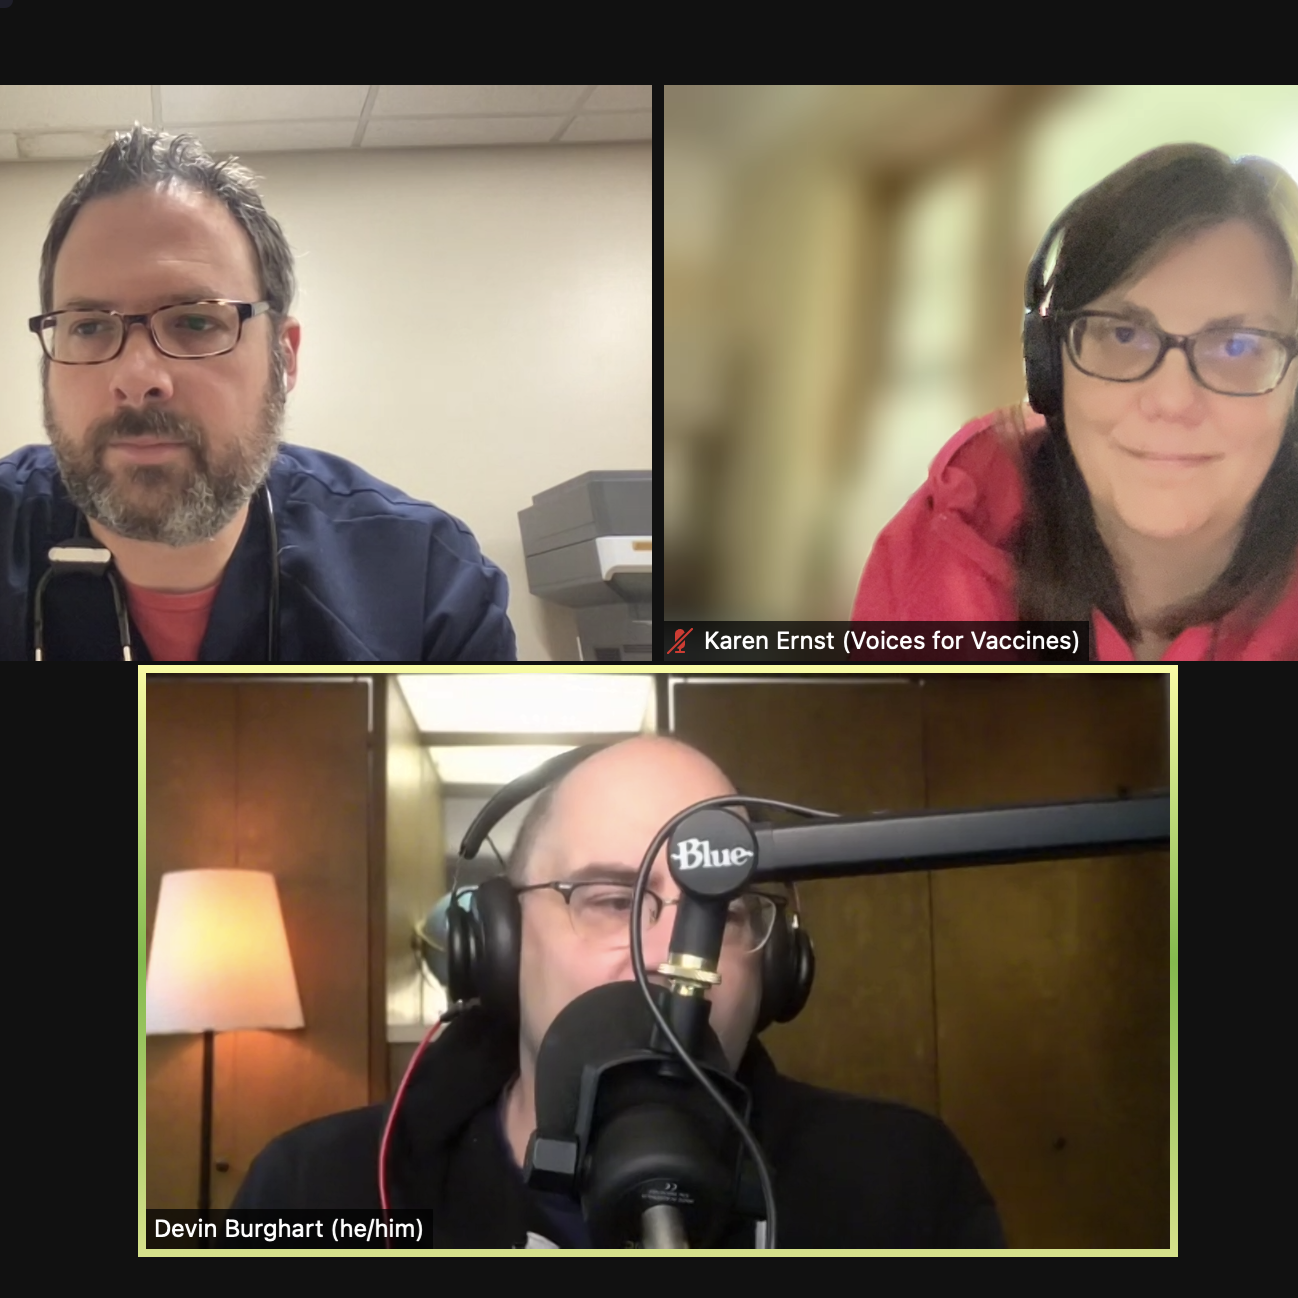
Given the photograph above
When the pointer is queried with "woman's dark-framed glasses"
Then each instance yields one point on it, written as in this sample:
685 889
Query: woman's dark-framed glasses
1224 359
183 331
600 913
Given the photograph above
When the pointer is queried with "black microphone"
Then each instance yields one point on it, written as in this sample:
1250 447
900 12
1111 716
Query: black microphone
624 1130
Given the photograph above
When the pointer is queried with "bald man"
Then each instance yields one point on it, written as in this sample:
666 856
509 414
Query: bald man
848 1172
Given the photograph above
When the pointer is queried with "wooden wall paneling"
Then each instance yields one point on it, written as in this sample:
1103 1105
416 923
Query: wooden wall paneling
1052 979
376 907
850 746
303 814
190 782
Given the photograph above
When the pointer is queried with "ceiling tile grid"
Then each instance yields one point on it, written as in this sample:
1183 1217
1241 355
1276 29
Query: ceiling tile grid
41 122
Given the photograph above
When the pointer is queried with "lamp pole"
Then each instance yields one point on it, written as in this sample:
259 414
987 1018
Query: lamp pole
205 1180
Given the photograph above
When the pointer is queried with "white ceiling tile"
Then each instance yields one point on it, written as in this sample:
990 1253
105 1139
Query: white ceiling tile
8 146
271 137
590 127
260 103
619 98
395 133
63 144
37 108
415 101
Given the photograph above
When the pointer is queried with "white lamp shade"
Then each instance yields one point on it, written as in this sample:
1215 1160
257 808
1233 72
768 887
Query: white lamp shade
220 958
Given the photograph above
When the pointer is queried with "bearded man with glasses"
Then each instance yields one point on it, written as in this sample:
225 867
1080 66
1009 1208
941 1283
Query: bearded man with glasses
167 520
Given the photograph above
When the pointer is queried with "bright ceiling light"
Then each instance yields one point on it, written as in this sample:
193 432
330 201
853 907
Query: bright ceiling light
494 765
541 703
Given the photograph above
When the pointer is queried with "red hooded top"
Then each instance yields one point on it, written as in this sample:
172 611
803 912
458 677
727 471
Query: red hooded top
945 558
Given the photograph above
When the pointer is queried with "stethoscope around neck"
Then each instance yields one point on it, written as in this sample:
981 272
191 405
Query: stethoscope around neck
83 554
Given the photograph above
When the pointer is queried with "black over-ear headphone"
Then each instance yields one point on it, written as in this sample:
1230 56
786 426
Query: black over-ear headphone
1041 336
483 941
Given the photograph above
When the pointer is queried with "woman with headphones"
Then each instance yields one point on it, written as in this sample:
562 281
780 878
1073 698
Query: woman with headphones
1152 489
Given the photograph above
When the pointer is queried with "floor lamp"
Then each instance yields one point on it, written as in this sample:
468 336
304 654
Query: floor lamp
219 963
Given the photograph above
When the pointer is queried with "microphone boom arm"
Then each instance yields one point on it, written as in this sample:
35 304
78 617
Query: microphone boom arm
937 840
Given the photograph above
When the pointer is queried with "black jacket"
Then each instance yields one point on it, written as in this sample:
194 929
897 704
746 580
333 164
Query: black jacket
848 1172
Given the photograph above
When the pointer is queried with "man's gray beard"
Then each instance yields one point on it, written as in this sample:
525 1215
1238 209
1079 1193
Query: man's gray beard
169 504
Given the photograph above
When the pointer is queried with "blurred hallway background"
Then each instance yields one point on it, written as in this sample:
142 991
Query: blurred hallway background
843 289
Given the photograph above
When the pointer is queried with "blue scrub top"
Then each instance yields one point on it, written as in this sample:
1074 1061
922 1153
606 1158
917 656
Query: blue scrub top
367 574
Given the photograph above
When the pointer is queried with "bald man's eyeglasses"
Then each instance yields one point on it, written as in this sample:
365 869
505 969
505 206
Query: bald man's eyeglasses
600 914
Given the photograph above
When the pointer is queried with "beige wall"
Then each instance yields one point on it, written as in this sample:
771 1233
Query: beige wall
475 324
